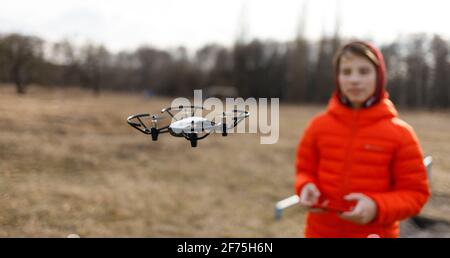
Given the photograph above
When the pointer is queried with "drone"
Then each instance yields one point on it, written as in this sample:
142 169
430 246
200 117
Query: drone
186 124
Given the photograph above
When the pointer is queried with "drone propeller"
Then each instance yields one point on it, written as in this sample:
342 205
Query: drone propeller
237 116
182 108
157 118
154 131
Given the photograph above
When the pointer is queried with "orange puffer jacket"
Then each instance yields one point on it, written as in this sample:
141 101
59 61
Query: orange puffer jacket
368 151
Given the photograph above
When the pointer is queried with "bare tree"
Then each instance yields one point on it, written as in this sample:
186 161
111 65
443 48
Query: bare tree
260 69
298 71
65 55
22 55
124 74
395 71
216 64
441 72
298 60
323 75
153 64
417 72
3 62
95 62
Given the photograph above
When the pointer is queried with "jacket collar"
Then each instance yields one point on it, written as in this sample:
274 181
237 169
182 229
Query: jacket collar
384 109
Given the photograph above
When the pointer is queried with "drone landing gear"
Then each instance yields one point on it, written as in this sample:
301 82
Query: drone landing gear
154 133
224 129
193 139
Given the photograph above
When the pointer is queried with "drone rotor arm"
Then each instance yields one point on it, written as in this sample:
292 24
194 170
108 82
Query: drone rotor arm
164 129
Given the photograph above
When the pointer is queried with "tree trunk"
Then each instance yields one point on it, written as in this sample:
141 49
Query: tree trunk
18 77
20 88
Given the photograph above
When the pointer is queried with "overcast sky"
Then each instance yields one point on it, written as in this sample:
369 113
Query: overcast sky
126 24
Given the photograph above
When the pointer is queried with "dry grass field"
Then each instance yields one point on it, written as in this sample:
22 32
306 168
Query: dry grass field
69 163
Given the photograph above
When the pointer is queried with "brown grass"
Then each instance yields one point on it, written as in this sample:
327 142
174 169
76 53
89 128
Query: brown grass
69 163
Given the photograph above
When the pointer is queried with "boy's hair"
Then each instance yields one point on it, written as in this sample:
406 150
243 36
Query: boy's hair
356 48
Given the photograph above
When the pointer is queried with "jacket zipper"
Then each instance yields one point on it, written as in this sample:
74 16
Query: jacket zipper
348 156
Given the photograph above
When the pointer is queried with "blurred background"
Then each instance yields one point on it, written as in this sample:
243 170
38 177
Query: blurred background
71 72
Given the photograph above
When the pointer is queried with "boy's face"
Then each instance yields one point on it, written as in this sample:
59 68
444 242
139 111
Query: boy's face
357 78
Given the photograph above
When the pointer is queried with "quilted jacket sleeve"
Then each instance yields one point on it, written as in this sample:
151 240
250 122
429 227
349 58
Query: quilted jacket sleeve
410 190
306 159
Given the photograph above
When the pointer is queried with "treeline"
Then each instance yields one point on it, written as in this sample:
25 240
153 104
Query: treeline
299 71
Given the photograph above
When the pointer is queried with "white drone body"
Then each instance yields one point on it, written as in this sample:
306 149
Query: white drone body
189 126
186 124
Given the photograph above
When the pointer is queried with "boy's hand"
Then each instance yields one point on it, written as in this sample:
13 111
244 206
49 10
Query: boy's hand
364 211
309 196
